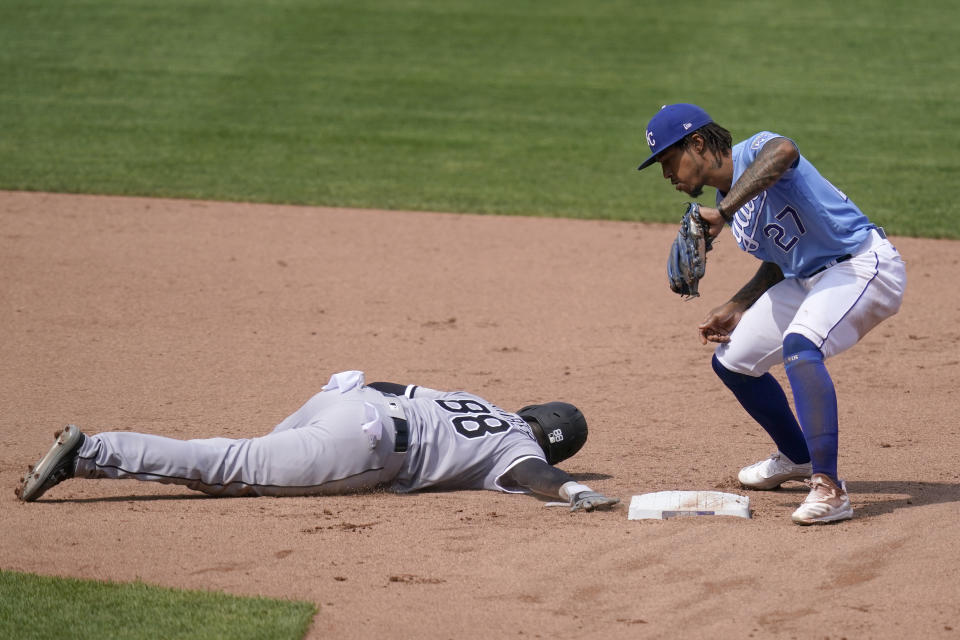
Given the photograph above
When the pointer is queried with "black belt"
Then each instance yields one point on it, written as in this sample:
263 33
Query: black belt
842 258
403 435
401 428
846 256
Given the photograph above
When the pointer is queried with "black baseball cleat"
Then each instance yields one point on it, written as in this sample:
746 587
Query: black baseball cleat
53 468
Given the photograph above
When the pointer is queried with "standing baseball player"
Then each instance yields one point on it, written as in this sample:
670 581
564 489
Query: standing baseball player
349 437
828 276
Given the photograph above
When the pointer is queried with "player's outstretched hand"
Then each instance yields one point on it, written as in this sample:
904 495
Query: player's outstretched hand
591 500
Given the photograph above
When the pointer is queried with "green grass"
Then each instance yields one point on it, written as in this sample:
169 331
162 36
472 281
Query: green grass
502 106
46 608
511 107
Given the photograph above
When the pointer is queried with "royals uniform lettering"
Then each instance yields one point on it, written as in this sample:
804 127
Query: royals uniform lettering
744 223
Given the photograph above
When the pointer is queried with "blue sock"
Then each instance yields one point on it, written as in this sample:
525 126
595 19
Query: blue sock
764 399
816 400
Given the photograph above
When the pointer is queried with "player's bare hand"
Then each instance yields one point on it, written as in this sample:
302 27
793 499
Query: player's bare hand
591 501
713 218
720 323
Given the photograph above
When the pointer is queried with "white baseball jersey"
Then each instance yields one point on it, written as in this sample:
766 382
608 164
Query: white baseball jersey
459 440
344 438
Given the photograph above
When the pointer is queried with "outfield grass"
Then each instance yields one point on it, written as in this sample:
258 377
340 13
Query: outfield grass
43 608
502 106
452 105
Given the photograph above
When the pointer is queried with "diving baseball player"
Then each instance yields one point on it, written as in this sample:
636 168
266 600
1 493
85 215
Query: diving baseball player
349 437
828 276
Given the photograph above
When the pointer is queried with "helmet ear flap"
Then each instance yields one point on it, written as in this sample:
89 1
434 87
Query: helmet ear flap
562 428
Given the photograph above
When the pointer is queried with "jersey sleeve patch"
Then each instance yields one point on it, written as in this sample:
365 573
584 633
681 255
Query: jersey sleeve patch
761 139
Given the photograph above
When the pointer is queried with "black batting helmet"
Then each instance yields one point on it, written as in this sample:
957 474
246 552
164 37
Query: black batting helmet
563 427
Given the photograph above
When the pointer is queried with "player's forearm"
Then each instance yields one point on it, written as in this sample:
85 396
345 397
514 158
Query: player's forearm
771 163
565 490
766 276
541 478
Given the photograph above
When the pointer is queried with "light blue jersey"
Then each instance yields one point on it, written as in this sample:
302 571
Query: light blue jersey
802 222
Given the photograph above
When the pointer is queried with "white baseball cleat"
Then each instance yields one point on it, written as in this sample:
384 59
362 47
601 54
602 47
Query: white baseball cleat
53 468
826 502
772 472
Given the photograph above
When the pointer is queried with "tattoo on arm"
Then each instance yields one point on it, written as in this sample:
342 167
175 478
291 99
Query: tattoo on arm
767 275
771 163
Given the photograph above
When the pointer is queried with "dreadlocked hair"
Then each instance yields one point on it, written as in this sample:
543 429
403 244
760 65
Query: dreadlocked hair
717 138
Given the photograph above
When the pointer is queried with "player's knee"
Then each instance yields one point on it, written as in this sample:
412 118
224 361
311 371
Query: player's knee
730 378
797 348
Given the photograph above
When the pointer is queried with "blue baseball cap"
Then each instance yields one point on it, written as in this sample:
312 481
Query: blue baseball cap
670 125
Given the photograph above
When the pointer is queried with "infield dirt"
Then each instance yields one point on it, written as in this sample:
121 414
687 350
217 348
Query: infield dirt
196 319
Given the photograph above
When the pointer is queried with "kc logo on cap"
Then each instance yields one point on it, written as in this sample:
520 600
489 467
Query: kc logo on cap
670 125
